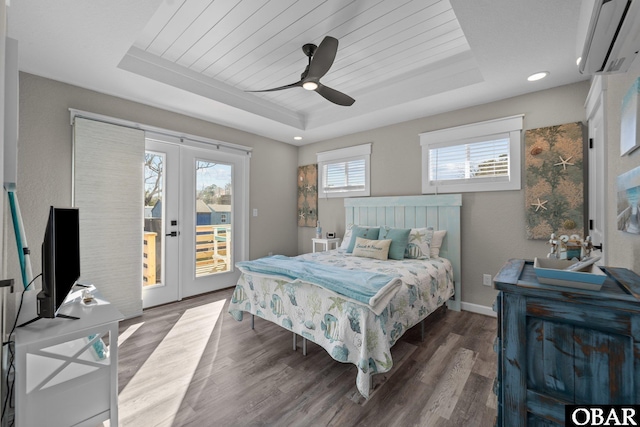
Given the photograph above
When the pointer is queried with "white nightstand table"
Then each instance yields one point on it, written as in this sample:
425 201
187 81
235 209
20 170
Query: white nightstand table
326 243
60 379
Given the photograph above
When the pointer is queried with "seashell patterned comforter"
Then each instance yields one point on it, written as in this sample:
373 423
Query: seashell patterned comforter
348 330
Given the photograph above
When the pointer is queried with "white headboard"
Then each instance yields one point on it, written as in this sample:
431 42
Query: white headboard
441 212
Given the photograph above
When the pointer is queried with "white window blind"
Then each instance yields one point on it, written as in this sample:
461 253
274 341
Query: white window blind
344 172
481 156
345 176
476 160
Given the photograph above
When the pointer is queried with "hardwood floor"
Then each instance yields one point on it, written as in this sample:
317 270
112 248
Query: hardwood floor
191 364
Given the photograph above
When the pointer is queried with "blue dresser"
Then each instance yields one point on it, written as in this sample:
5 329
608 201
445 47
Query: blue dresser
559 346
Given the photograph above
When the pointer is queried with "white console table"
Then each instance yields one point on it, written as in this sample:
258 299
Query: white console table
60 379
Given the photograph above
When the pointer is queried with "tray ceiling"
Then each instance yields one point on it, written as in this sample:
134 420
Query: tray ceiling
399 59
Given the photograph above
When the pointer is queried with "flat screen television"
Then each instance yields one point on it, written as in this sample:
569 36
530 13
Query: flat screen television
60 260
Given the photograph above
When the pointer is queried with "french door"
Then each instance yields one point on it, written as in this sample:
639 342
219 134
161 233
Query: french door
160 273
213 215
198 217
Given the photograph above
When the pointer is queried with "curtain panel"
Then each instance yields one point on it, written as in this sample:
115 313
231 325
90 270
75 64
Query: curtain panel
107 189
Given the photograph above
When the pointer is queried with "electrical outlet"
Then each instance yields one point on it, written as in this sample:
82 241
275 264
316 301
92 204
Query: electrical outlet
270 253
486 279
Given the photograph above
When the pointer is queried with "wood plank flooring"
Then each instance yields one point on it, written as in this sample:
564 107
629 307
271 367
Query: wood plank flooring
191 364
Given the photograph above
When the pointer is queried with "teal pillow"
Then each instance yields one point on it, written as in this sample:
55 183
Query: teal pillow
369 233
399 240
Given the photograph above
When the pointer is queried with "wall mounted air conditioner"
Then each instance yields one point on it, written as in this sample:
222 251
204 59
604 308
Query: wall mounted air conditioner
608 35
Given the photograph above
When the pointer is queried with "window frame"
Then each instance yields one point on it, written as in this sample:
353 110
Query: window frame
357 152
508 127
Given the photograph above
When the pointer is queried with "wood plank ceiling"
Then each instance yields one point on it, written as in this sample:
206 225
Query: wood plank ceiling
400 59
254 45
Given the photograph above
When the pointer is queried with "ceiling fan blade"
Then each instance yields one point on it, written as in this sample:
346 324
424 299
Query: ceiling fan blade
335 96
323 58
278 88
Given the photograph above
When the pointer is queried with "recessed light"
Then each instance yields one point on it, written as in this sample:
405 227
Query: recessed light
538 76
297 138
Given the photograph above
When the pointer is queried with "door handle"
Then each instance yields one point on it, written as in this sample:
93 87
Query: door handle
173 234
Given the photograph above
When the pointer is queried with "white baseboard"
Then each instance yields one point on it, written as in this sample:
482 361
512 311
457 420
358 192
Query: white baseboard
476 308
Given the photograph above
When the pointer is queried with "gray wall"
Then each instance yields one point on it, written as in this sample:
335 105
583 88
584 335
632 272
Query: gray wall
623 248
44 163
493 223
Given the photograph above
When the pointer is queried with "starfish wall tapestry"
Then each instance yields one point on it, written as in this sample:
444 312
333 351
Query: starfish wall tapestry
307 195
554 189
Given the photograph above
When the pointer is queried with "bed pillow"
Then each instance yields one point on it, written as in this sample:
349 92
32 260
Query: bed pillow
346 239
418 245
399 240
436 242
370 233
377 249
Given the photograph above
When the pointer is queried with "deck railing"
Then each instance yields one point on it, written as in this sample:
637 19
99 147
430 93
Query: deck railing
213 252
213 249
149 259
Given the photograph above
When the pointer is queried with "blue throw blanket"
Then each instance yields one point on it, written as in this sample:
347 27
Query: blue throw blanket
363 286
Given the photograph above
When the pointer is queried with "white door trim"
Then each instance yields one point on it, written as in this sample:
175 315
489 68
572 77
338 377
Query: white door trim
597 117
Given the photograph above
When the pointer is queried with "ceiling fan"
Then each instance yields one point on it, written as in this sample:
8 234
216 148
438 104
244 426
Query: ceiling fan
320 60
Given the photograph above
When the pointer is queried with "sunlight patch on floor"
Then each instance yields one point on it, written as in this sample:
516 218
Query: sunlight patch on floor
130 331
153 396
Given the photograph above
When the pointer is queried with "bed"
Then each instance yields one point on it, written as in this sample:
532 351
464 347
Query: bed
317 295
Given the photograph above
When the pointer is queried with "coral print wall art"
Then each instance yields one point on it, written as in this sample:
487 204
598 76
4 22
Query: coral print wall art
307 196
554 181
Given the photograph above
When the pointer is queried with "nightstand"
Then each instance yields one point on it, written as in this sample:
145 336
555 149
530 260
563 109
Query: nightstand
326 243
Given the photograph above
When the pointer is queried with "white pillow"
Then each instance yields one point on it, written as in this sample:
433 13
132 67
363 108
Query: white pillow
418 246
346 239
377 249
436 243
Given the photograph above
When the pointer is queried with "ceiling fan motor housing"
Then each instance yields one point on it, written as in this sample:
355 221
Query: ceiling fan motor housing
309 49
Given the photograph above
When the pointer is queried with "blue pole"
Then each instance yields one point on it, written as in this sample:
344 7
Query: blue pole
16 229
